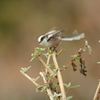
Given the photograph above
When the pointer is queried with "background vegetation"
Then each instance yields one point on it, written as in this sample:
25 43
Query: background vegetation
23 21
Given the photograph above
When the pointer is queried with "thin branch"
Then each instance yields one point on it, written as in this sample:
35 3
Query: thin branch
48 59
59 52
48 90
45 65
59 77
67 91
97 93
67 65
29 78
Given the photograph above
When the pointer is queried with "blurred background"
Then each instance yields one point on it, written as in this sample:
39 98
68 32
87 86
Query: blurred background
23 21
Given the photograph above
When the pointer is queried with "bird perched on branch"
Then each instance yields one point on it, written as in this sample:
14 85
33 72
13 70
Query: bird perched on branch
52 38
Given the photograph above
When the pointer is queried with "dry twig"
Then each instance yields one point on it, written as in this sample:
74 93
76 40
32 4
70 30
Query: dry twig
59 77
97 93
45 65
49 92
29 78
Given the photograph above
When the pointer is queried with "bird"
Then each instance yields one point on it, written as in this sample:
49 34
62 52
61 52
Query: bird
52 38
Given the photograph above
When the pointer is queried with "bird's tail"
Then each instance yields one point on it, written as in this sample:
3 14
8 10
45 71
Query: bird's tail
74 36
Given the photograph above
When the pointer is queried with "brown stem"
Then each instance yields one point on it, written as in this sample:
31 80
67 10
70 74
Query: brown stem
67 65
59 52
45 65
48 90
48 59
60 80
97 93
29 78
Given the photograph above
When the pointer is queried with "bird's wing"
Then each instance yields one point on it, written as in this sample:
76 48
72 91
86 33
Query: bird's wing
58 32
50 36
51 32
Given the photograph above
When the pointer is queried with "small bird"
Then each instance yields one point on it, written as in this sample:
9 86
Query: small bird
52 39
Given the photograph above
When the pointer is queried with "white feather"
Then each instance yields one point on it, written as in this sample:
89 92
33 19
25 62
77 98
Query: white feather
73 37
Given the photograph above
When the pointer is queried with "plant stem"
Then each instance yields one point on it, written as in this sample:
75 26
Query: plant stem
48 59
29 78
59 77
66 66
45 65
97 93
59 52
49 92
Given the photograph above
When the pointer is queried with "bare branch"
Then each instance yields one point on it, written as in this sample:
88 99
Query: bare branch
49 92
59 77
97 93
29 78
45 65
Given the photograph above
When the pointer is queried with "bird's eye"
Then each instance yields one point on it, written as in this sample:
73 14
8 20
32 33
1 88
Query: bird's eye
41 38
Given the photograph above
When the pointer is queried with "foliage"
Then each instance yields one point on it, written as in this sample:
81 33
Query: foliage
56 89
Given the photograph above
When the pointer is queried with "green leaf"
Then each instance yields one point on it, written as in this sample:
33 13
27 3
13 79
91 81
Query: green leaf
76 57
51 95
69 97
25 69
53 74
55 95
51 64
67 85
74 86
35 79
39 50
43 89
55 70
40 88
53 86
60 94
45 54
49 51
33 57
